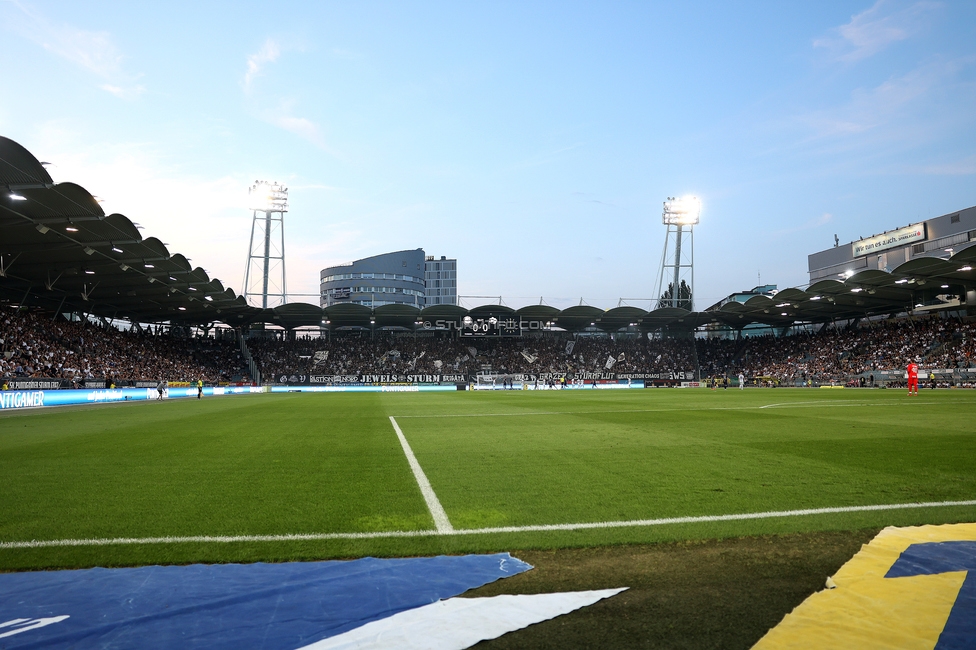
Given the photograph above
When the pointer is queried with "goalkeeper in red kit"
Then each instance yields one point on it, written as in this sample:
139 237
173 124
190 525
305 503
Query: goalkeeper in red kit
913 378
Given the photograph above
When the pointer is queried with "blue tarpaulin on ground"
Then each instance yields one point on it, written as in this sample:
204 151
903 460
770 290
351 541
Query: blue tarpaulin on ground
266 606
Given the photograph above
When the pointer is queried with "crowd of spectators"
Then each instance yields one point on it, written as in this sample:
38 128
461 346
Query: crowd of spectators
828 354
386 354
838 354
35 345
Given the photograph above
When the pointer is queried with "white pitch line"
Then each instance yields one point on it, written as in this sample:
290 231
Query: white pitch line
214 539
774 514
664 410
656 410
818 403
441 522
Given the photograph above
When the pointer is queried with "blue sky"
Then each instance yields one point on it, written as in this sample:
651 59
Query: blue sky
533 141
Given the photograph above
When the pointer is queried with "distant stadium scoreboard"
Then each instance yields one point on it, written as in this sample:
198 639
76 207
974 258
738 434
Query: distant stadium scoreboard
497 327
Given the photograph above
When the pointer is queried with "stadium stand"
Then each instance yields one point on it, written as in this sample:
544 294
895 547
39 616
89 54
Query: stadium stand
846 353
33 345
435 355
837 355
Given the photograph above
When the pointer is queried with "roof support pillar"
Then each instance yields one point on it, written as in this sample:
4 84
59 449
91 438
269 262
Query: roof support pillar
57 312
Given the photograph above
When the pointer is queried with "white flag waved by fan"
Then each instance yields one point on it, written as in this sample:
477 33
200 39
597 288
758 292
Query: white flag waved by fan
610 362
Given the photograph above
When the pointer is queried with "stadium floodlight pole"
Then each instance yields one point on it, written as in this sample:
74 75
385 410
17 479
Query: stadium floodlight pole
271 200
680 215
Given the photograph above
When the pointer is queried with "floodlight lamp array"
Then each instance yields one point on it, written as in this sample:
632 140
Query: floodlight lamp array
268 196
683 211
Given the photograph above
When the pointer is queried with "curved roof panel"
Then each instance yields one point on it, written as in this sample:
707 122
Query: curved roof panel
575 319
298 314
487 311
965 255
396 316
19 167
619 317
349 315
537 312
443 312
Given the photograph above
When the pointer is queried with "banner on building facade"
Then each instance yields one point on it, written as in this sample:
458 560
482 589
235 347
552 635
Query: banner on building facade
890 239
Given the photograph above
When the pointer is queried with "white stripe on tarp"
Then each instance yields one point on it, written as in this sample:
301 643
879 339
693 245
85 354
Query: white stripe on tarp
441 522
459 623
634 523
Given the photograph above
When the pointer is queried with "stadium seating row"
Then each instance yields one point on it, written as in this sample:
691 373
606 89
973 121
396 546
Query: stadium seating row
33 344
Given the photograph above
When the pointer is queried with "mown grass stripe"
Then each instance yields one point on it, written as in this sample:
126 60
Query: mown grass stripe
222 539
441 522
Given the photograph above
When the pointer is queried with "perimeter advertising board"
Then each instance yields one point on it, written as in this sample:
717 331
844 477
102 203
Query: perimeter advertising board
21 399
454 379
648 377
370 379
34 384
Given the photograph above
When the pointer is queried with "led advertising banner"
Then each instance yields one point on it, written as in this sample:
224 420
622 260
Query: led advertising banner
18 399
890 239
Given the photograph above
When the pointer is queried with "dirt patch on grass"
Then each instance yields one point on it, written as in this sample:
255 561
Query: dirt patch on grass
708 594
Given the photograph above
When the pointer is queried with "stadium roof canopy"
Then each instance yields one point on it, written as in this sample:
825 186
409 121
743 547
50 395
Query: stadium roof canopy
59 251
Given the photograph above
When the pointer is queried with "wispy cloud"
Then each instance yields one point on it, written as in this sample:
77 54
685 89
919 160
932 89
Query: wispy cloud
268 53
300 126
874 29
279 112
124 92
90 50
902 107
283 116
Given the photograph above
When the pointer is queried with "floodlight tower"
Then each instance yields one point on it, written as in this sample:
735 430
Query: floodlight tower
678 260
264 276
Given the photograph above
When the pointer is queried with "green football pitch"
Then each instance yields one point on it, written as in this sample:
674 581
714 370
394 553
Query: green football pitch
310 476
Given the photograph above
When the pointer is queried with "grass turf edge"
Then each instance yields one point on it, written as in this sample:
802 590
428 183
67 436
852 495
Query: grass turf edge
718 593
